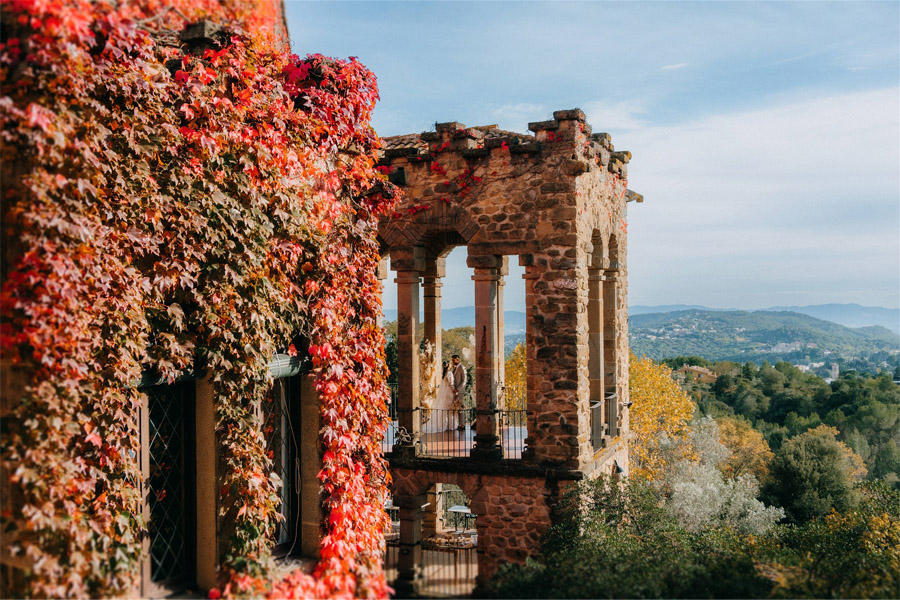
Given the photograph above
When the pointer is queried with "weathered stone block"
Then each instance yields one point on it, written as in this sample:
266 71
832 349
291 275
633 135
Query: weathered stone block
550 188
568 115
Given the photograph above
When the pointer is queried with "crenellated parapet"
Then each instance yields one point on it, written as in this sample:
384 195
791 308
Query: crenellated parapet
501 190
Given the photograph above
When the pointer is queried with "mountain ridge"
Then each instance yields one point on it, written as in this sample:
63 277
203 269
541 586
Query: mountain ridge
848 315
756 336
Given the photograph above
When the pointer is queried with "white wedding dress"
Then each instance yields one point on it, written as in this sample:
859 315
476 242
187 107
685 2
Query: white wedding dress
442 417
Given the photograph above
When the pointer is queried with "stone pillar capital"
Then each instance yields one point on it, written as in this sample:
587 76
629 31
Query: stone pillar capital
487 275
436 267
486 261
407 277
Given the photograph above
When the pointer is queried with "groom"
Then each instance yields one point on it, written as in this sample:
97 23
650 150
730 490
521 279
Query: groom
459 378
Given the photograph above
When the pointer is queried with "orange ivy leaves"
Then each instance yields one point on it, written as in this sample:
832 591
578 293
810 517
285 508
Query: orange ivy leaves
176 204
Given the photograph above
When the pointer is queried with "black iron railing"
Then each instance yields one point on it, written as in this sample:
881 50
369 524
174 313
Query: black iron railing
446 432
392 407
451 432
513 431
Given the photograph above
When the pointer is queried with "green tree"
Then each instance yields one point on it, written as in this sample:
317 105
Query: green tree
616 541
851 555
887 460
813 473
390 355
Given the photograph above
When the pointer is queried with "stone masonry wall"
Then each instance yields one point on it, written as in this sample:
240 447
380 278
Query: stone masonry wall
513 512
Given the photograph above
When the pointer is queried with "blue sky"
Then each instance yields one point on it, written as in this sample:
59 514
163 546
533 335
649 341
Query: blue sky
766 136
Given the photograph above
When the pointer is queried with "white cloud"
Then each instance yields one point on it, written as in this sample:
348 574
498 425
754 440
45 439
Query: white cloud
805 192
673 67
615 116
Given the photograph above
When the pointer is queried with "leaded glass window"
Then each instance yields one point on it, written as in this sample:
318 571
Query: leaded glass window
169 483
280 412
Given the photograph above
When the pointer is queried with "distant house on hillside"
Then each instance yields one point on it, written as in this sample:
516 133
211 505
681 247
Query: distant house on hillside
701 374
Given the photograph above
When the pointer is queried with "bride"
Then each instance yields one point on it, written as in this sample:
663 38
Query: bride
443 417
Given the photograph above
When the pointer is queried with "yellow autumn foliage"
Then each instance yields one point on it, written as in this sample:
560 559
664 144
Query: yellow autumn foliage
516 373
749 451
661 412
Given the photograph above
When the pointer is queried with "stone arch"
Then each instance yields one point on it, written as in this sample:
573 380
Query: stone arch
613 252
599 249
613 355
439 217
384 250
414 483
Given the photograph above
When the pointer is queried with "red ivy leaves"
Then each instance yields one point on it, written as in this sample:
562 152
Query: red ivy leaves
163 218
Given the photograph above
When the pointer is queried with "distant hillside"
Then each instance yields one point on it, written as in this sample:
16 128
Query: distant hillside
754 336
638 309
849 315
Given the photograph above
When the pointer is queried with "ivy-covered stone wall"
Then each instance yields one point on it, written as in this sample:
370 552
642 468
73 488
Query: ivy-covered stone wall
181 194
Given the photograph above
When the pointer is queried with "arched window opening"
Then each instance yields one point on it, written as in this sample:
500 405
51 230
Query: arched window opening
596 375
435 554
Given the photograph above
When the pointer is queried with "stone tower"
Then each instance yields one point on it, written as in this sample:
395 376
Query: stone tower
556 202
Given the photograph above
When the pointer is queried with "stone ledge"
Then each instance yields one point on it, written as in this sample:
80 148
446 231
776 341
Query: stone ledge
624 156
475 153
543 125
603 139
507 467
449 126
398 152
201 30
575 114
531 148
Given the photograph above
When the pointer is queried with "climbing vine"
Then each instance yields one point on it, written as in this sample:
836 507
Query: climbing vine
182 195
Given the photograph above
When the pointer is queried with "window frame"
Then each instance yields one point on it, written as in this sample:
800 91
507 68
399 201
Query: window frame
290 546
187 580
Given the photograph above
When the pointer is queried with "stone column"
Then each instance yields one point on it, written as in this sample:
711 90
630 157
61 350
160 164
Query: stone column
381 272
432 522
501 337
435 270
595 339
408 263
487 375
409 560
610 345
